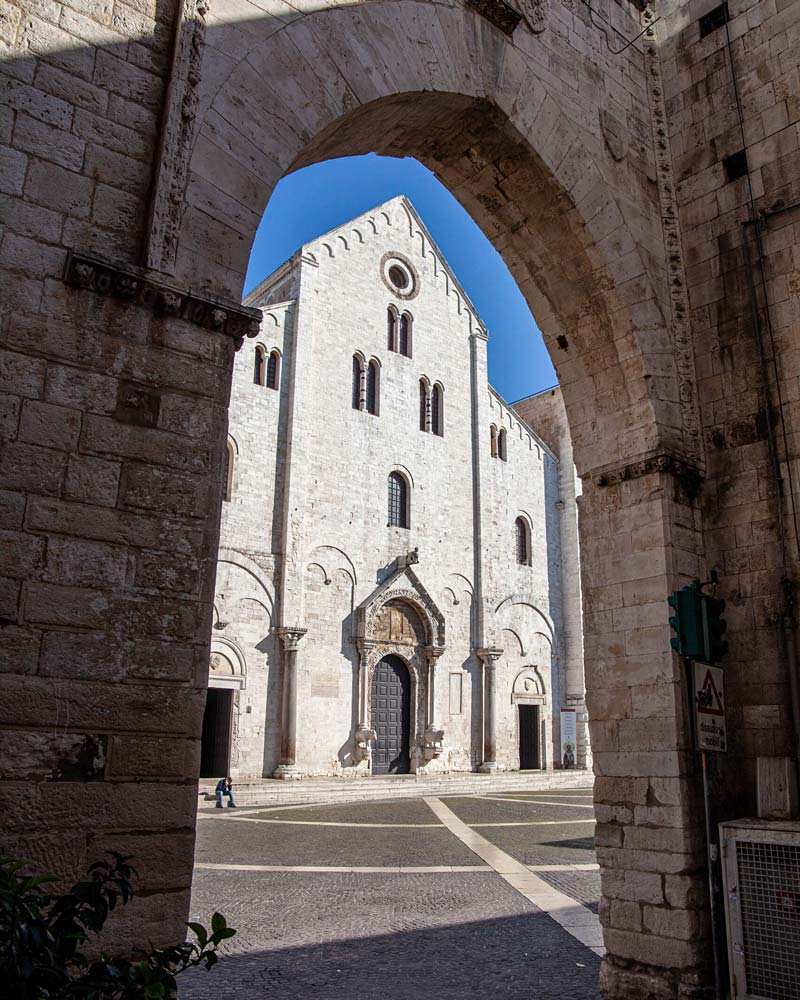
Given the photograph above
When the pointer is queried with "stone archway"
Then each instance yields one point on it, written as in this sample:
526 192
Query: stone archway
129 373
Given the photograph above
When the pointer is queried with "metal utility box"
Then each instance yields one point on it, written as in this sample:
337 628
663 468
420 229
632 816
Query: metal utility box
761 870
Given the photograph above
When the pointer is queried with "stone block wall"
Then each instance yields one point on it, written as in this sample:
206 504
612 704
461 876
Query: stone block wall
600 175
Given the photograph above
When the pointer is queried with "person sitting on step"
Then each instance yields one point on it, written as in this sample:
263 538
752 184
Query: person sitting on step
225 787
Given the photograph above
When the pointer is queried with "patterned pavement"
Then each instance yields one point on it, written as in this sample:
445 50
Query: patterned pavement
393 935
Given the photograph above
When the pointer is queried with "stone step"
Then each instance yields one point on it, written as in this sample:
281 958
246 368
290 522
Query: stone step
270 791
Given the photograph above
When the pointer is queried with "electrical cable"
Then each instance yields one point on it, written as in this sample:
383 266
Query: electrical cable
628 41
757 222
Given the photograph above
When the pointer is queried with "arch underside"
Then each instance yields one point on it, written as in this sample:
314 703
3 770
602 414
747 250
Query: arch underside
579 230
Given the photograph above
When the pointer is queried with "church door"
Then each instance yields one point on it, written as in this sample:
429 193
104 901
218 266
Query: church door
529 738
391 711
215 745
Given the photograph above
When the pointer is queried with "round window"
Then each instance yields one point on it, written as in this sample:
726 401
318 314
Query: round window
398 277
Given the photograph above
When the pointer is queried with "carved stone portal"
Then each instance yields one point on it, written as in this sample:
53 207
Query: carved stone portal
403 622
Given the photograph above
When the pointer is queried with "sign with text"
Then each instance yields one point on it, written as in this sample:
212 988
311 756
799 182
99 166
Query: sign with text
569 737
708 701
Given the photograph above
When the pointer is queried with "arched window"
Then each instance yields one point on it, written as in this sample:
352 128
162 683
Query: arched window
437 410
522 541
405 335
356 382
258 366
229 454
493 438
398 501
273 370
373 387
502 450
423 405
391 329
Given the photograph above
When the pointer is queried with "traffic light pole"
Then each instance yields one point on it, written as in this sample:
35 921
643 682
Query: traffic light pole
716 899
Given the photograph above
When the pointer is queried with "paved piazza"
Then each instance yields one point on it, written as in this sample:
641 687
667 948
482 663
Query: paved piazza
460 898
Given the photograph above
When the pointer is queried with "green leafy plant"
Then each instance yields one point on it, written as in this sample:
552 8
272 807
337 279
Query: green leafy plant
43 934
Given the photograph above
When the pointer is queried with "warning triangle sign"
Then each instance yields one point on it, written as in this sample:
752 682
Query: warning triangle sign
708 698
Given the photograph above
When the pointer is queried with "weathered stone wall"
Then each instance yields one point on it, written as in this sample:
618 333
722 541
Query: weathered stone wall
596 169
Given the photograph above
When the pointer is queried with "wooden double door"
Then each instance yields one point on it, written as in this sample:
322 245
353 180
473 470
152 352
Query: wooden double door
391 717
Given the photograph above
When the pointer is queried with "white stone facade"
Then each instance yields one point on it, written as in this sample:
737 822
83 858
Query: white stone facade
314 586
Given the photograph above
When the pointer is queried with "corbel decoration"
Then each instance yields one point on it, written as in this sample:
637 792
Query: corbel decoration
688 476
508 16
137 286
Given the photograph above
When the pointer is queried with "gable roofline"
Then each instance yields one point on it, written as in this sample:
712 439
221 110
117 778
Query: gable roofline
271 279
545 447
406 203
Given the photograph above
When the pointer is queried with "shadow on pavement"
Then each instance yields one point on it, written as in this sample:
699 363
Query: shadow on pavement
523 957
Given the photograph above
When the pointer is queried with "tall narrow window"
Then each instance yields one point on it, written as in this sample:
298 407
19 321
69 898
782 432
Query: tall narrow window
423 405
373 387
356 382
398 501
228 471
493 440
273 368
502 449
258 366
522 543
405 335
391 329
437 410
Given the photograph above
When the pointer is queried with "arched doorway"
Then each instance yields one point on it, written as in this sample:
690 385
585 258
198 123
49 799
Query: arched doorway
391 717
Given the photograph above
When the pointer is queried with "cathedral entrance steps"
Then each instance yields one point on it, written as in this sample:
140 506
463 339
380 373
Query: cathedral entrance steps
272 792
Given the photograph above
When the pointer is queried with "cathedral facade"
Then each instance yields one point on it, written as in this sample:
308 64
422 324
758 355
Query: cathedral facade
397 585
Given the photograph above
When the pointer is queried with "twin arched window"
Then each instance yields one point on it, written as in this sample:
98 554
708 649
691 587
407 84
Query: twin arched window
398 332
431 407
502 449
266 370
499 448
398 501
366 389
522 535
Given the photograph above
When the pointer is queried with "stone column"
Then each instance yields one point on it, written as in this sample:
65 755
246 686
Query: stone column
432 654
363 735
434 734
290 636
490 657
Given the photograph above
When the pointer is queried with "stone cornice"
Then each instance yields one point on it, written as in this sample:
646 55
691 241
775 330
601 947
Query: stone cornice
689 475
132 284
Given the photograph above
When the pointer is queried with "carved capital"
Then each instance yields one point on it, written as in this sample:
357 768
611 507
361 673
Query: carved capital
490 655
150 291
290 636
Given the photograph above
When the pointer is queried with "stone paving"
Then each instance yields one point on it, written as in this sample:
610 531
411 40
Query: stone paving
388 935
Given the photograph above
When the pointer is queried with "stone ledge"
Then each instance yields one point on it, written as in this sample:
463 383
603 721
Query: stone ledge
135 285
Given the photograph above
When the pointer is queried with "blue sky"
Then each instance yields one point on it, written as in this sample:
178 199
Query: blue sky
321 197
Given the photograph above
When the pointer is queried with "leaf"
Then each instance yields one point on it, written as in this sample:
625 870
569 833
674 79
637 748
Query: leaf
200 933
218 923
